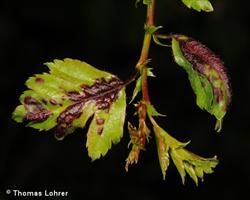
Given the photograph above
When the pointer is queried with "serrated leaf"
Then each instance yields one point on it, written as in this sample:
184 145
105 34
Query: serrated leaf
193 164
185 161
206 74
67 97
199 5
178 164
106 128
191 172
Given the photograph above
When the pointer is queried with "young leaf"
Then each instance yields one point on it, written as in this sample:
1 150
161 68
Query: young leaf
138 136
184 160
152 111
137 145
138 85
163 151
133 156
152 29
199 5
206 74
146 2
67 97
158 42
137 89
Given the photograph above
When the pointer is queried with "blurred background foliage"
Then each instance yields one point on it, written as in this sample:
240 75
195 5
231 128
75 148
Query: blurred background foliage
108 34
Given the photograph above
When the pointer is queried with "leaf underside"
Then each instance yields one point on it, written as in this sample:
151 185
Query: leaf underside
206 74
68 96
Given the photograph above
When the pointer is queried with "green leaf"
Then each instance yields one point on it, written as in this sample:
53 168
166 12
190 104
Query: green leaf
101 136
150 73
163 151
194 165
185 161
158 42
68 96
199 5
146 2
19 113
152 111
152 29
206 74
138 87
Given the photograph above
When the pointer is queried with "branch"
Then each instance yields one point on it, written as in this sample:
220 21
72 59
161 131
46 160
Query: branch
147 37
140 135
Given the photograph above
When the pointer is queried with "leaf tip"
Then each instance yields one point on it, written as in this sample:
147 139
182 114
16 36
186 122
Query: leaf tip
218 125
164 176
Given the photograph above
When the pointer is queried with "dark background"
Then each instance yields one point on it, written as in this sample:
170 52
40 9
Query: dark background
108 34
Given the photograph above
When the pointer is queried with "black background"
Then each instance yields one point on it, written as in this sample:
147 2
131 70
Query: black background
108 34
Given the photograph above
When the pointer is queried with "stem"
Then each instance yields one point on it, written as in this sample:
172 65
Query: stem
145 51
147 37
145 94
144 71
143 132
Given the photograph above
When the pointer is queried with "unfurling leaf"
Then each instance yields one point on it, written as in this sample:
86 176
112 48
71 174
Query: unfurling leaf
206 74
185 161
138 144
68 96
133 156
199 5
138 136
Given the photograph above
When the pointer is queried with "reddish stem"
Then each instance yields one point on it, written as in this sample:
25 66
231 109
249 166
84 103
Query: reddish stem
145 52
147 37
145 94
144 71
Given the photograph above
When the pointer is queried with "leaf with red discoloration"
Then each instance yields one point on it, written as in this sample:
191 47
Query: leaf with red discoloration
206 73
68 96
